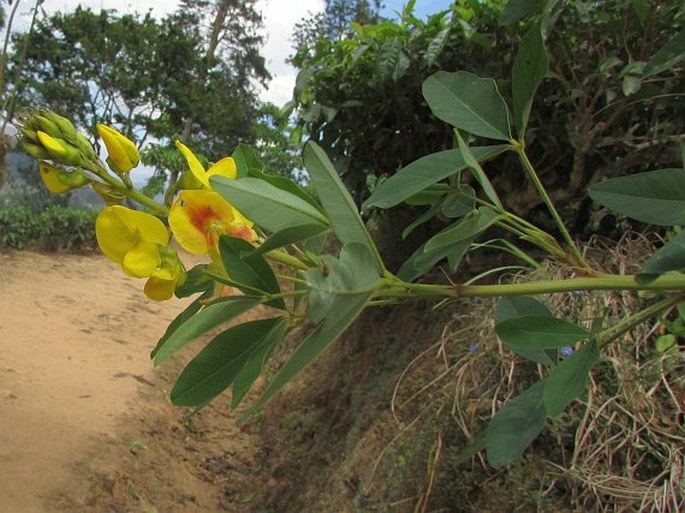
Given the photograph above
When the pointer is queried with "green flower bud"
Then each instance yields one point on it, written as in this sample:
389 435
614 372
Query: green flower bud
109 196
85 147
34 150
48 126
65 126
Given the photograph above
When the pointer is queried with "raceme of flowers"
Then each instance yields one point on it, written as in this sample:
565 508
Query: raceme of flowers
140 242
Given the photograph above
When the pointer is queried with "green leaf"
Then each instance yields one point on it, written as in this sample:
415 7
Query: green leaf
672 53
269 207
567 380
245 267
539 332
210 317
530 67
670 257
285 184
337 202
429 214
196 281
180 320
347 310
468 102
246 160
516 10
259 354
477 171
516 425
429 196
641 8
424 172
435 47
393 63
521 306
459 203
215 367
631 85
422 261
352 273
655 197
288 236
665 343
466 229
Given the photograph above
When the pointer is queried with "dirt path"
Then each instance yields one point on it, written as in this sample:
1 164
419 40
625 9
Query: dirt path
84 421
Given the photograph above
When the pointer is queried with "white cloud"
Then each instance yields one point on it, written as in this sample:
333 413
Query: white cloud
280 18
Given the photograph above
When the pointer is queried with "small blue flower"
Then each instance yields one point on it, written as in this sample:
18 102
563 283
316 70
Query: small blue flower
473 349
566 351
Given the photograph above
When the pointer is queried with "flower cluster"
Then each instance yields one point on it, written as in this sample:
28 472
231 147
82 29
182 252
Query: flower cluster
138 240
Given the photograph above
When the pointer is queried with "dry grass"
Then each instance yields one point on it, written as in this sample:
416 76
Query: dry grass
621 447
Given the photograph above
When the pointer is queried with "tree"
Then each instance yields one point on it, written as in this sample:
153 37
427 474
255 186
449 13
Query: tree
156 80
335 21
360 96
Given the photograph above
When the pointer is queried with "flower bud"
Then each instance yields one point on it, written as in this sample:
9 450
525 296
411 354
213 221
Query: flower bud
108 195
59 150
123 154
47 125
35 150
57 180
85 147
66 127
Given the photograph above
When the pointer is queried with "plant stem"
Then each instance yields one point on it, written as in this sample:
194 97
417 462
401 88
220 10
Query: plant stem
605 337
284 258
530 170
666 283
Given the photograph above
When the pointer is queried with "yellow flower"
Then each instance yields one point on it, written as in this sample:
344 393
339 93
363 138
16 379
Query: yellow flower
57 180
131 239
123 154
199 217
224 167
139 243
163 281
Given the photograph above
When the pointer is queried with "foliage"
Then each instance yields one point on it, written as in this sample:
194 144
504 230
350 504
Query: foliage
242 217
154 78
57 228
359 96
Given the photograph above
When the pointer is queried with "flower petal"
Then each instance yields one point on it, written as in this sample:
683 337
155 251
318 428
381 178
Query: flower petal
141 260
51 178
194 164
113 234
195 216
159 289
225 167
122 151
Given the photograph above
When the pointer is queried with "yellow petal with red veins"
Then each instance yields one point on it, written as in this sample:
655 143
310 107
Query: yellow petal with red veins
197 218
194 164
225 167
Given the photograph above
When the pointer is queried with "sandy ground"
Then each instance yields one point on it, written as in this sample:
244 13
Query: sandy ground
85 424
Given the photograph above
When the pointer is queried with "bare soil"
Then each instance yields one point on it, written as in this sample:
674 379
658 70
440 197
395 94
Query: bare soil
85 423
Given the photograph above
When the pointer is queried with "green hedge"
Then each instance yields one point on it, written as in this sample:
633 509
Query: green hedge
57 228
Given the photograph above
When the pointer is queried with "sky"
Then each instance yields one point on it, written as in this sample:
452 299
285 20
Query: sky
280 17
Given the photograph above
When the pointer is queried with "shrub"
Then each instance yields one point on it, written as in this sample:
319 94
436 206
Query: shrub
57 228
